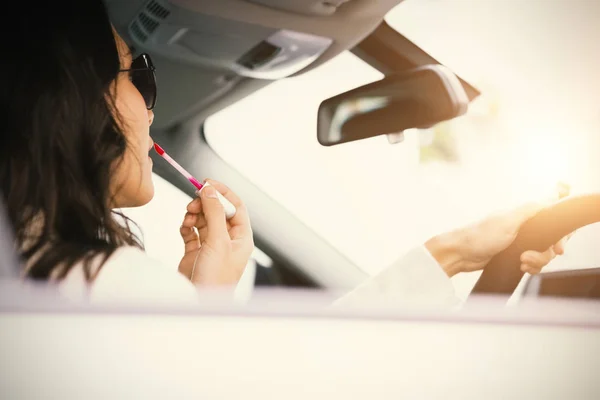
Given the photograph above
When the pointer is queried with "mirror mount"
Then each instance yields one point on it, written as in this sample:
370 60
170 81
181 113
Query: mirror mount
395 138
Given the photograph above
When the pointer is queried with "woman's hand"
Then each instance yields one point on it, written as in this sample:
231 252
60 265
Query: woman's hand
471 248
216 250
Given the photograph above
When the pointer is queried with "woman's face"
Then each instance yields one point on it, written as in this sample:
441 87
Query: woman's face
131 183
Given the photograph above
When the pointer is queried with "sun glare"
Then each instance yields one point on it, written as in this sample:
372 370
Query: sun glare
543 161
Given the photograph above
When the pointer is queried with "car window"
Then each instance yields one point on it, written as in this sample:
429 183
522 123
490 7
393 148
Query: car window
372 200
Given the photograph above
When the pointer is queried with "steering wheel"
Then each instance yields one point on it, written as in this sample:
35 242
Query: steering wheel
503 273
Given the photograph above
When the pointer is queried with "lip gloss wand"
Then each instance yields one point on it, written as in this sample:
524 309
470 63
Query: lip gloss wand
229 208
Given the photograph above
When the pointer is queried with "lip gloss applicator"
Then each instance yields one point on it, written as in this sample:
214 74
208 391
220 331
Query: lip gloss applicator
229 208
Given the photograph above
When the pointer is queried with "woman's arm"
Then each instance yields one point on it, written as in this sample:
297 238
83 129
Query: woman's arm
422 277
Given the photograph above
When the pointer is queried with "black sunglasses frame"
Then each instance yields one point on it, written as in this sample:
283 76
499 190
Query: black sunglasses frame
146 65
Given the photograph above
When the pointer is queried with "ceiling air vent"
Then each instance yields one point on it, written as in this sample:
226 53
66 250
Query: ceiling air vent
157 10
148 23
148 20
137 32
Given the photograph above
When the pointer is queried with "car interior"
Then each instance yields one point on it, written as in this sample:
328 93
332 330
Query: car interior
208 45
212 55
353 130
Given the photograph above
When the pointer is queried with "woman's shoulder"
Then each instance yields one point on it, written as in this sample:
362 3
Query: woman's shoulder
130 275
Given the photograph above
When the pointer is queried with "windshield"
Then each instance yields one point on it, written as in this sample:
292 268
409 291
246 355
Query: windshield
537 124
537 65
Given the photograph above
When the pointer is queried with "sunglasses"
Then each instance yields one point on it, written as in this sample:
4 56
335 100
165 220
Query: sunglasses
143 78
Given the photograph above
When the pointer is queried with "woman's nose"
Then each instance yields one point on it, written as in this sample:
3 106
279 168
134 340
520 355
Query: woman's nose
150 117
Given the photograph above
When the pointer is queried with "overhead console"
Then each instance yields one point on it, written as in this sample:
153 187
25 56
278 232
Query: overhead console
247 49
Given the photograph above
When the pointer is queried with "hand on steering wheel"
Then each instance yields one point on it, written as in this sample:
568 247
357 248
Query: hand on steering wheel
471 248
502 273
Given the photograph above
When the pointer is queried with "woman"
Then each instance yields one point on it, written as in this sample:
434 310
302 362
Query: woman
76 112
75 146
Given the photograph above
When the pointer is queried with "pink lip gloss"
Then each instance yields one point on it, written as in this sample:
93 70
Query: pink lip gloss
229 208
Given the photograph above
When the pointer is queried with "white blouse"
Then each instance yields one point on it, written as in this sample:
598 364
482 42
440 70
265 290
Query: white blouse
131 275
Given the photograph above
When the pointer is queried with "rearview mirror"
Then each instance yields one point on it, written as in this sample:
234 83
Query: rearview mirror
418 98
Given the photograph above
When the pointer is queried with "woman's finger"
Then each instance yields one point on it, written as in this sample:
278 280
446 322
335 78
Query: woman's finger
529 269
195 206
240 222
536 259
202 227
559 248
214 214
226 192
189 220
190 239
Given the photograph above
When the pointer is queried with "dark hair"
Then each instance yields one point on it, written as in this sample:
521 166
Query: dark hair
60 140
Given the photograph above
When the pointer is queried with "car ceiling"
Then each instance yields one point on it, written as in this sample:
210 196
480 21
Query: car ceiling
186 88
